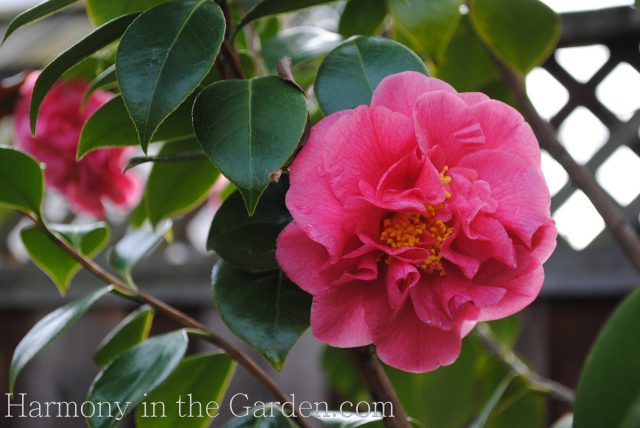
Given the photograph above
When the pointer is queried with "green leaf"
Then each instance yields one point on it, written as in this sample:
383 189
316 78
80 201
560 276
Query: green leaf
362 17
174 188
351 72
137 244
49 329
61 267
200 379
268 416
36 13
98 39
301 44
101 11
489 407
425 25
106 79
250 242
521 32
111 126
21 181
128 333
137 372
157 73
249 129
274 7
465 63
266 310
608 394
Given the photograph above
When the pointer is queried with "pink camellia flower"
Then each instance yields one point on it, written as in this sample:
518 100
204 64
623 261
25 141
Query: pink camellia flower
98 176
416 217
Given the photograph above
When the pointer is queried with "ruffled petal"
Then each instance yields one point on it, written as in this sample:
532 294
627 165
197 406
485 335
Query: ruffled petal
406 343
399 92
301 258
443 120
310 198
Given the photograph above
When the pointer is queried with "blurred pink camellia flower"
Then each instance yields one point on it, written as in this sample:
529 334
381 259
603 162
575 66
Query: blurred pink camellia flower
87 183
416 217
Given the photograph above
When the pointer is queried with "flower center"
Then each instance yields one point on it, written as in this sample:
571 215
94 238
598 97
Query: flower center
412 229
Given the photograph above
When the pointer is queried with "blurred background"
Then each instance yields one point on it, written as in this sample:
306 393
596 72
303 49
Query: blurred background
589 89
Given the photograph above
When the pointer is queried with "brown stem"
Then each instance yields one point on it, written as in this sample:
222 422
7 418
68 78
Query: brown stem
515 363
377 383
228 49
125 290
613 216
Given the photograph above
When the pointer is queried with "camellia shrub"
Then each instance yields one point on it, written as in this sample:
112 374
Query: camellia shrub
381 185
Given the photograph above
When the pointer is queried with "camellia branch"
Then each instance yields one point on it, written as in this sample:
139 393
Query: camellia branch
376 381
519 367
228 49
613 216
123 289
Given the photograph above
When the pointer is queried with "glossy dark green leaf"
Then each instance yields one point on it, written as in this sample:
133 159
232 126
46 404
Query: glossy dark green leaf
250 242
137 372
87 69
268 416
425 25
362 17
90 239
266 310
350 73
21 181
97 39
608 394
274 7
137 244
300 44
111 126
36 13
101 11
200 379
159 66
522 32
128 333
49 329
249 129
465 63
105 80
174 188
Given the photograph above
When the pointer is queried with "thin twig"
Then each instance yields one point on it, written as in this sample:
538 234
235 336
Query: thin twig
123 289
613 216
376 381
176 157
515 363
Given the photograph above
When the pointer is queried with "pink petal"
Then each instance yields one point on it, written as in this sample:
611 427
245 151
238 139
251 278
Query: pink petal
301 259
401 278
505 130
338 317
518 187
399 92
364 144
442 119
406 343
310 198
519 293
472 98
